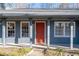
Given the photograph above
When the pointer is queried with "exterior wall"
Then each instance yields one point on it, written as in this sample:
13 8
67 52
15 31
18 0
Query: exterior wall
76 40
1 31
16 39
17 31
53 40
33 31
63 40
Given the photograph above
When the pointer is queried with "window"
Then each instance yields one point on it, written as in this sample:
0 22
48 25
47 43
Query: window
62 29
59 29
67 29
11 29
2 6
24 29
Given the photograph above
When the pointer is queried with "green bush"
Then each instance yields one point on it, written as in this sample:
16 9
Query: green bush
22 51
61 52
55 52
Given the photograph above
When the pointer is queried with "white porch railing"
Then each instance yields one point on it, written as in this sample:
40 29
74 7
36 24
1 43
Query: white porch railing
57 6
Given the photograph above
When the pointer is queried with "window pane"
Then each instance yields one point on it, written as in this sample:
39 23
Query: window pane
59 29
67 29
11 29
25 29
64 29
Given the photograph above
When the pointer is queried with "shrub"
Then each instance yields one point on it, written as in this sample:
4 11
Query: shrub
55 52
61 52
22 51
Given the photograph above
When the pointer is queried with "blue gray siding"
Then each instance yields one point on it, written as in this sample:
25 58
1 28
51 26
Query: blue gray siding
76 39
53 40
0 31
17 31
63 40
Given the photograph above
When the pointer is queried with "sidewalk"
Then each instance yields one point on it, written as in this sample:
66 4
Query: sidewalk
36 52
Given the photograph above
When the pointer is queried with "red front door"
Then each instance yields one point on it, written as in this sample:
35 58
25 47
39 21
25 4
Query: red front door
40 33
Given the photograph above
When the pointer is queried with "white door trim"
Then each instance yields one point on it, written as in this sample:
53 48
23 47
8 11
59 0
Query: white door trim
44 31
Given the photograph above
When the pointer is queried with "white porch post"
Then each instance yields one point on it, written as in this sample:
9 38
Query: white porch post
3 32
31 33
71 37
48 33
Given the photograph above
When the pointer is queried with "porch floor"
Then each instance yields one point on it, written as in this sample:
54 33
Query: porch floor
54 46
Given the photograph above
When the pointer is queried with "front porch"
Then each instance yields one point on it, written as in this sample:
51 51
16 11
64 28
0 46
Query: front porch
17 36
21 31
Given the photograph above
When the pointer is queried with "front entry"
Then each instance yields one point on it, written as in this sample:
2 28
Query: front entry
40 32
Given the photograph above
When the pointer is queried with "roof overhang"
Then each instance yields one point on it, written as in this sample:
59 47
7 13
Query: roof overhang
39 13
21 12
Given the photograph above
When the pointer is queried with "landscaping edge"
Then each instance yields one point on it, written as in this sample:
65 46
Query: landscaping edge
29 53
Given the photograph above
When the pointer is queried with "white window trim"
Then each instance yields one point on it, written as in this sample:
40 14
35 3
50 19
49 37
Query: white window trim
64 29
55 32
21 28
7 29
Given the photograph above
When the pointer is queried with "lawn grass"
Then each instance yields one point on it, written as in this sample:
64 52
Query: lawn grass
61 52
14 51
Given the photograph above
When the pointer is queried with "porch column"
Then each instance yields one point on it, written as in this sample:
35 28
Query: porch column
31 28
48 33
3 32
71 36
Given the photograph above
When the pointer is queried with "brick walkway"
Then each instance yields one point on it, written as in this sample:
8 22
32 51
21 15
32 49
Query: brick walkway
36 52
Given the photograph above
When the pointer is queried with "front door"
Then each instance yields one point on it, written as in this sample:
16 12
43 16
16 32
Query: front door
40 32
